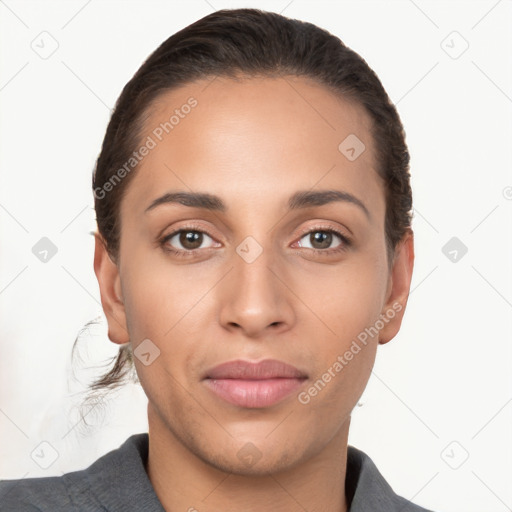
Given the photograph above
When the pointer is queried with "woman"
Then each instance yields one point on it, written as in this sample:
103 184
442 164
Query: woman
254 247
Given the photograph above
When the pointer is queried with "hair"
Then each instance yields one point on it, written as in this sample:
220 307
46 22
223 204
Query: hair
247 42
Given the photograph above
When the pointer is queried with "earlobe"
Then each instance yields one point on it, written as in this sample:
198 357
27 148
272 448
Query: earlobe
109 282
398 290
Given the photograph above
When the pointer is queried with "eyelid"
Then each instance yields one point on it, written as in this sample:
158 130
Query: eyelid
324 227
345 239
188 227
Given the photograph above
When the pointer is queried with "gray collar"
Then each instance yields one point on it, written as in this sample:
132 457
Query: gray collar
118 480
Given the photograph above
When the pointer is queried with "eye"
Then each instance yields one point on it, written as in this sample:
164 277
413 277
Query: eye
322 240
186 240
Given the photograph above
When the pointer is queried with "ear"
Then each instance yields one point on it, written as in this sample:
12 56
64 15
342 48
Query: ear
399 285
109 282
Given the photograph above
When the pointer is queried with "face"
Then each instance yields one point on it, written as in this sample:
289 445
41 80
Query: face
268 266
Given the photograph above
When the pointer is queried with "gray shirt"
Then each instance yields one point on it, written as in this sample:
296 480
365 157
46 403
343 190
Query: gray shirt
118 482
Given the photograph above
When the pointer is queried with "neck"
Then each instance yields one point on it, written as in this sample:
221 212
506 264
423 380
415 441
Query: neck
184 482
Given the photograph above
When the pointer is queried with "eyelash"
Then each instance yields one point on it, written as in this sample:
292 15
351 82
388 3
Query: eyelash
345 241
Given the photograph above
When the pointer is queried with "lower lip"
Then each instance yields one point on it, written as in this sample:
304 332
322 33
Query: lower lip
253 393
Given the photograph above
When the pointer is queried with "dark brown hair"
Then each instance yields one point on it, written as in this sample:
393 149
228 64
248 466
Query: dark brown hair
252 43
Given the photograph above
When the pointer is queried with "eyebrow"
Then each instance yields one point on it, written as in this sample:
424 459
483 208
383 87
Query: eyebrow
301 199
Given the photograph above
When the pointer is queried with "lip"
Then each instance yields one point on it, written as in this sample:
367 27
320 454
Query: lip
254 385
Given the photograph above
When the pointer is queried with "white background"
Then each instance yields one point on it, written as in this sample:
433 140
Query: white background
446 377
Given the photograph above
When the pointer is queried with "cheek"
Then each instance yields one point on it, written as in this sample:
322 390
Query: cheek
158 294
327 403
347 298
349 305
166 305
345 354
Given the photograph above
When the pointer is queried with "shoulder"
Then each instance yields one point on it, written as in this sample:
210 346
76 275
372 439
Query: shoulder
115 480
29 494
368 490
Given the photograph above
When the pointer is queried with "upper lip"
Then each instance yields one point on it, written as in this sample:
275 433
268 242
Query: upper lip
266 369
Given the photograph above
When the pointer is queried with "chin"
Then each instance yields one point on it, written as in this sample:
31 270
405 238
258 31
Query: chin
249 461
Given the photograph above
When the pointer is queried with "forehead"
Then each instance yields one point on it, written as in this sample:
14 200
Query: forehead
259 136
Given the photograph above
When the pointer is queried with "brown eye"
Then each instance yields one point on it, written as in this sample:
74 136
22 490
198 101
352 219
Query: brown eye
191 239
187 239
322 239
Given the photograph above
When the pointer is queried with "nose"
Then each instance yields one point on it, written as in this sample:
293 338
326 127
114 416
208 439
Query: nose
255 298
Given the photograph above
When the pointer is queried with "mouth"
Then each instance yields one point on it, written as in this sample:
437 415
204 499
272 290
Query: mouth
254 385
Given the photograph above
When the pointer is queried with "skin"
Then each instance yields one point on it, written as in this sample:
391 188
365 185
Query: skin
253 143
